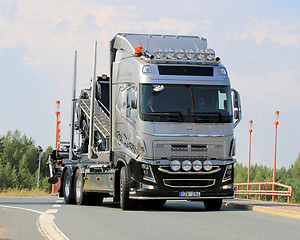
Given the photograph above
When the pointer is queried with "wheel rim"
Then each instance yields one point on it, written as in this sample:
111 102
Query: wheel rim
78 187
67 186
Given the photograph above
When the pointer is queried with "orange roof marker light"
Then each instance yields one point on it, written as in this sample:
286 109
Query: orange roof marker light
138 50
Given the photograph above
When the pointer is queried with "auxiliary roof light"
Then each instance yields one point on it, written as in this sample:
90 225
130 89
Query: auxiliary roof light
175 165
208 165
200 54
169 52
190 53
210 54
158 53
186 165
197 165
146 69
179 53
223 71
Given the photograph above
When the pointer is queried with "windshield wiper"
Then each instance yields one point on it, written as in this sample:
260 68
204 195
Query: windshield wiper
170 116
207 117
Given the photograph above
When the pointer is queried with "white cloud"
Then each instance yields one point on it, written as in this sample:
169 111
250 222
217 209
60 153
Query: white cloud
275 31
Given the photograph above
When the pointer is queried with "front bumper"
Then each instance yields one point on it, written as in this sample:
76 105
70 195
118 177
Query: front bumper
178 195
168 185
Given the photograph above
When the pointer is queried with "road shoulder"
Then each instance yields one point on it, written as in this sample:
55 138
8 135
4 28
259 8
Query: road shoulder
275 208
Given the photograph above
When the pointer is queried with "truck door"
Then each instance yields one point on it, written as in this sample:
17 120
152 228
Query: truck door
127 112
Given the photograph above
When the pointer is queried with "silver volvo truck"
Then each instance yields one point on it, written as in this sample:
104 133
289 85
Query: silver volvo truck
160 128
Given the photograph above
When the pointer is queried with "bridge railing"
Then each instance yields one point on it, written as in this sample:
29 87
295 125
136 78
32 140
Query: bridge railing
244 189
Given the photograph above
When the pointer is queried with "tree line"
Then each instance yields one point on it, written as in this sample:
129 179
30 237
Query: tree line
19 162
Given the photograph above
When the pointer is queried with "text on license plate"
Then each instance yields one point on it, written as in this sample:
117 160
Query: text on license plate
189 194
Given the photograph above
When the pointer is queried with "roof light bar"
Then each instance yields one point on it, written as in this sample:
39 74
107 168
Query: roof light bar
201 56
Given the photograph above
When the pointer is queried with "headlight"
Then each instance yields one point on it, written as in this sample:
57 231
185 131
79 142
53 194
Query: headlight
186 165
158 53
228 173
179 53
190 53
210 54
147 173
200 54
169 52
207 165
197 165
175 165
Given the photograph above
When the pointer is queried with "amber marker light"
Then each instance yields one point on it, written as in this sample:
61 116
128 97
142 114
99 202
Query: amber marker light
138 50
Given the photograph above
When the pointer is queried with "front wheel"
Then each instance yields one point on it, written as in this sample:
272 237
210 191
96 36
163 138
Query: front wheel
213 204
68 188
125 202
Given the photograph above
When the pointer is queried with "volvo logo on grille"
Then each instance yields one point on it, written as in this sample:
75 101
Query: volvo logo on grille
189 128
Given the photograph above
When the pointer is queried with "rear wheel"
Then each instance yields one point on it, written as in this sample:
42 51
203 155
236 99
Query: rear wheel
213 204
83 198
78 187
125 202
68 188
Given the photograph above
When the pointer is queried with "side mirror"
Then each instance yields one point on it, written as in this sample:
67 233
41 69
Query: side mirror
237 106
236 100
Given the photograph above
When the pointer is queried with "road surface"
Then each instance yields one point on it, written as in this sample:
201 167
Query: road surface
49 218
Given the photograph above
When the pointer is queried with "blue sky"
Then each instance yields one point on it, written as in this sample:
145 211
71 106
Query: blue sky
258 42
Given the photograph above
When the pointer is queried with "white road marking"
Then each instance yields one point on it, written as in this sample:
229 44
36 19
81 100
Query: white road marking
45 223
52 211
56 205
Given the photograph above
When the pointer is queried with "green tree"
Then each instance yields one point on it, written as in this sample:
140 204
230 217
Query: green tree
295 183
8 177
25 178
240 174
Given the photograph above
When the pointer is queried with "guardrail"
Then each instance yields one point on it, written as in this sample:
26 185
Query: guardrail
263 190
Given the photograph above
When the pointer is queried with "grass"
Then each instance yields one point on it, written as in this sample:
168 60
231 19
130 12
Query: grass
23 193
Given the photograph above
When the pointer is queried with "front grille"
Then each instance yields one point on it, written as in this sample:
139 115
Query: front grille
198 150
189 183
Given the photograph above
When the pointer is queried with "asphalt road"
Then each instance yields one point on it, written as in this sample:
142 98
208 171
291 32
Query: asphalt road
49 218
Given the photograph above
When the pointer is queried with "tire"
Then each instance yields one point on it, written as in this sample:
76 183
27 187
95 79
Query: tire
68 192
125 202
213 204
78 187
82 198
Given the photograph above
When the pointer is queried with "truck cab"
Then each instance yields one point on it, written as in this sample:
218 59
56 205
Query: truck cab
174 115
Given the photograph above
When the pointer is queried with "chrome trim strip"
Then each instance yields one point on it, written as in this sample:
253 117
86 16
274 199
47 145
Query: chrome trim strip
187 135
205 62
197 173
179 198
224 162
209 185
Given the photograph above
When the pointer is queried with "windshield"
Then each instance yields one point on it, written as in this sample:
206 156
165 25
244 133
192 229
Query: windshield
185 103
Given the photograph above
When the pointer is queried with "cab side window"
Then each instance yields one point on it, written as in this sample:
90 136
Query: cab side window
131 111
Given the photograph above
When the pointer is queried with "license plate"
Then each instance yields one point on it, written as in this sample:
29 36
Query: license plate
189 194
